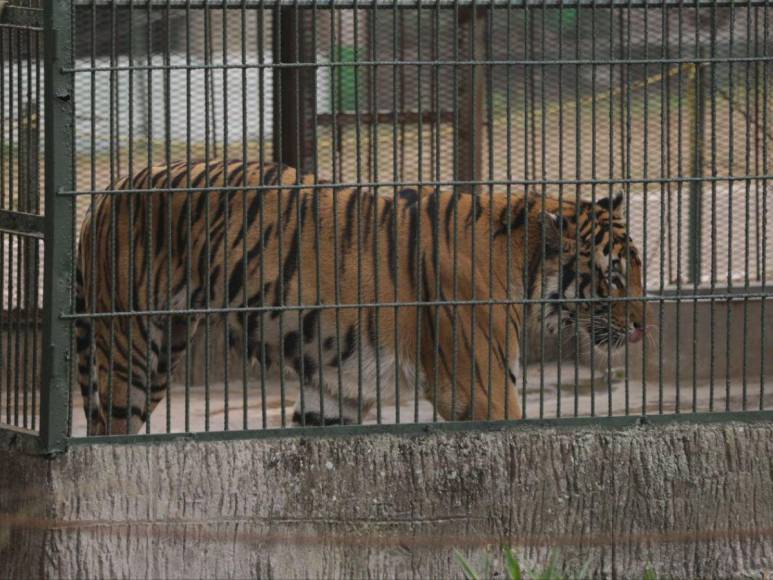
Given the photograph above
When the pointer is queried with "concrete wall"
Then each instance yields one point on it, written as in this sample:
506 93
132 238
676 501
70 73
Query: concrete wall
694 500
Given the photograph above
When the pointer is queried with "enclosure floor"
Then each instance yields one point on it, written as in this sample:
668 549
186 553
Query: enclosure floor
601 397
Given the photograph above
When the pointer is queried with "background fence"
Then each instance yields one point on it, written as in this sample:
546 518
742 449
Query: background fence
667 101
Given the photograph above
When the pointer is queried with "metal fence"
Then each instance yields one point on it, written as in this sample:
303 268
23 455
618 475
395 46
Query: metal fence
453 253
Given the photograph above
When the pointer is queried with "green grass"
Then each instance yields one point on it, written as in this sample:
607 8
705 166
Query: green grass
513 569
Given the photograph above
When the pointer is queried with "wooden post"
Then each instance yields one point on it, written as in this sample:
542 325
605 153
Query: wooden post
294 89
471 94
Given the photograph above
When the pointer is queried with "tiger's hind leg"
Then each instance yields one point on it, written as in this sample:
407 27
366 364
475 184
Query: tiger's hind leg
126 373
175 338
126 361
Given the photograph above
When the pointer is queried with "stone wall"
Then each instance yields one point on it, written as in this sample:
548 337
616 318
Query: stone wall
692 500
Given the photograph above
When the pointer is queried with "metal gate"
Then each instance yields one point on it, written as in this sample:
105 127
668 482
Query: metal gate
21 212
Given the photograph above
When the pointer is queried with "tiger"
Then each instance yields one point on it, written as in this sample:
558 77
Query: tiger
298 268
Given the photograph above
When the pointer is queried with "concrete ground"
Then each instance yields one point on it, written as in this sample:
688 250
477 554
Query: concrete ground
598 397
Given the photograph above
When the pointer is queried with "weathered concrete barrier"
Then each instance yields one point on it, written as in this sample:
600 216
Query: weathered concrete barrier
690 499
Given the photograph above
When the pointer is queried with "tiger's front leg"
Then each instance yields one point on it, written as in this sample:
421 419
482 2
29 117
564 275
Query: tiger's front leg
329 394
317 406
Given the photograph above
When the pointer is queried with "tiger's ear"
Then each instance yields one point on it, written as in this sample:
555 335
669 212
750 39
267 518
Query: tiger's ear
613 204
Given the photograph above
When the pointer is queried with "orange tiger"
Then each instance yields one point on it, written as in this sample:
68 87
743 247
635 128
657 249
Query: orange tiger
460 262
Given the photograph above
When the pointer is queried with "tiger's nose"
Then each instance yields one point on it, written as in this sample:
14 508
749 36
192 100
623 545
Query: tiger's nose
637 333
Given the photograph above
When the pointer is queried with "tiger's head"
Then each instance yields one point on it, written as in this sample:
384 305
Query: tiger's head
598 261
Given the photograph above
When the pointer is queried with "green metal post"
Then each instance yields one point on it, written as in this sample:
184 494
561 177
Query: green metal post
59 127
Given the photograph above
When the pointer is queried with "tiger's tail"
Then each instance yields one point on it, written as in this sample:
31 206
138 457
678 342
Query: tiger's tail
87 364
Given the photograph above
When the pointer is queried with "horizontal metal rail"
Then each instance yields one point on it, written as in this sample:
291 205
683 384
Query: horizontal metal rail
634 421
21 17
25 224
413 4
425 63
433 183
717 297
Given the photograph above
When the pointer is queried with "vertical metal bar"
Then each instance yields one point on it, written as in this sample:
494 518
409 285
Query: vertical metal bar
398 72
13 264
665 187
524 338
645 195
695 206
244 196
29 191
35 265
475 137
336 176
679 190
610 193
150 299
280 52
713 281
578 175
419 275
132 201
59 109
373 177
316 212
747 203
420 290
730 200
489 72
561 134
4 305
594 177
757 148
625 116
37 286
92 202
455 259
261 24
435 173
696 100
225 200
509 194
298 130
115 163
168 209
765 171
7 240
210 147
543 194
188 219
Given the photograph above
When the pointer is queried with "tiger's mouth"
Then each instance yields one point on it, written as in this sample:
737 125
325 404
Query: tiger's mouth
636 334
617 337
603 331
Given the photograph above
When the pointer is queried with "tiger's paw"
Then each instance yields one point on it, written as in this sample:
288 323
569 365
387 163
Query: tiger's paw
314 419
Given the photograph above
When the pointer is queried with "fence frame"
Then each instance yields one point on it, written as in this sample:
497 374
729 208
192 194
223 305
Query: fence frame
56 226
60 242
